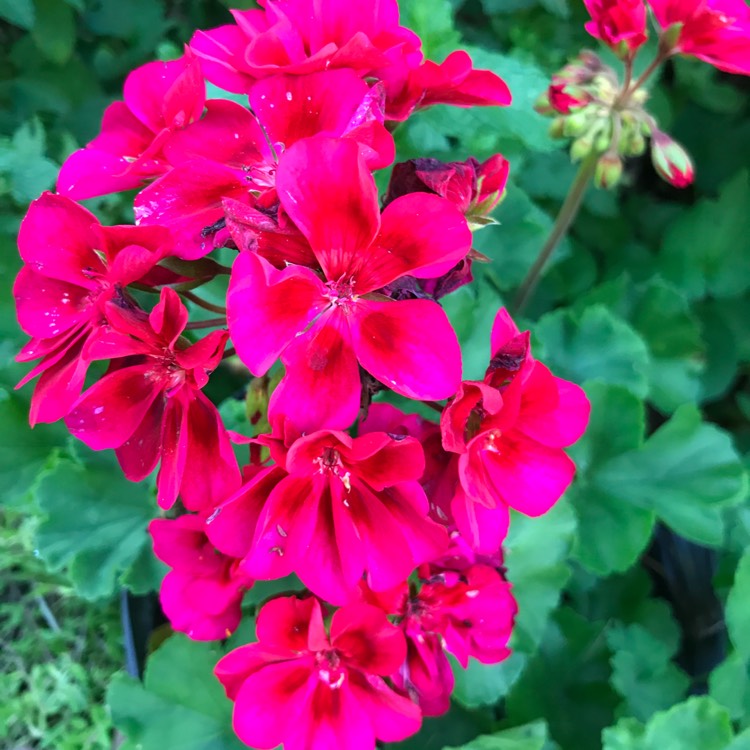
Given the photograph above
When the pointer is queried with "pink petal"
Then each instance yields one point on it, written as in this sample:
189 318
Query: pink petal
339 229
393 717
232 525
321 388
367 640
484 528
421 235
109 412
55 240
268 308
520 472
220 50
382 461
503 330
287 622
187 200
139 454
228 134
47 307
173 452
409 346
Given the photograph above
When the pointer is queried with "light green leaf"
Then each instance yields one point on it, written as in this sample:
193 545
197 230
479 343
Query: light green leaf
29 170
484 684
729 684
528 737
696 724
180 703
686 472
643 672
595 345
738 608
95 522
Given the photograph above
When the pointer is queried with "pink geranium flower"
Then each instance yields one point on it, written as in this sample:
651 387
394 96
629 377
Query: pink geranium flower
73 267
509 430
341 507
715 31
299 37
324 329
203 592
232 152
312 691
160 98
150 409
618 23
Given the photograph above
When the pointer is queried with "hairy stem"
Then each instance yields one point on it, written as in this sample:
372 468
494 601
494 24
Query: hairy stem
196 300
210 323
565 217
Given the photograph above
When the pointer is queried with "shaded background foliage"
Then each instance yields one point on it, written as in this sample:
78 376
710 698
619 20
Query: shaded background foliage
634 592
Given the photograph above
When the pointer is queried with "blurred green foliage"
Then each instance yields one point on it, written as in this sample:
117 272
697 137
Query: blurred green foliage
621 587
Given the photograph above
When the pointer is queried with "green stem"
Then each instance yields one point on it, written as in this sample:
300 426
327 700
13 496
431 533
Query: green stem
212 323
205 304
565 217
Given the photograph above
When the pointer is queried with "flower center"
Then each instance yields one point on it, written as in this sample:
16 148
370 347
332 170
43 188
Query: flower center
330 670
330 462
341 293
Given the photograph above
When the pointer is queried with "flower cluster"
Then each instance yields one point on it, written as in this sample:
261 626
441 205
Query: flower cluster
393 523
607 118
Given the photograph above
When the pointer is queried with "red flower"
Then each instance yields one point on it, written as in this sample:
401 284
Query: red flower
671 160
618 22
324 329
344 506
310 691
233 152
510 429
715 31
160 98
74 266
150 408
203 592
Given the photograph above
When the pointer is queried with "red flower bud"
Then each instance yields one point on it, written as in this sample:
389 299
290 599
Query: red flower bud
671 160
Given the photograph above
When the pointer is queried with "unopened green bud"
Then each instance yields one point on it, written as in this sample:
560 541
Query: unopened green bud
669 37
634 144
608 170
542 105
581 148
557 128
577 123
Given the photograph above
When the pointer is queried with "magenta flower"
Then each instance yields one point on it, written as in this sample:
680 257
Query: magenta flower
618 23
310 691
510 429
715 31
73 267
324 329
203 592
149 406
227 155
345 506
291 36
160 98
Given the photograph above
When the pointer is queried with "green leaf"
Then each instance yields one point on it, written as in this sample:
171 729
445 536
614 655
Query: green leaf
536 553
643 672
696 724
433 22
25 453
611 534
29 170
707 250
528 737
686 472
484 684
95 522
54 31
18 12
595 345
738 608
567 683
180 703
729 684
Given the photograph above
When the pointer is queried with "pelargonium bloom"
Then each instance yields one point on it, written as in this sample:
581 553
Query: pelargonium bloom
715 31
73 267
344 507
510 429
150 409
203 592
309 690
232 153
618 23
159 99
324 329
299 37
468 613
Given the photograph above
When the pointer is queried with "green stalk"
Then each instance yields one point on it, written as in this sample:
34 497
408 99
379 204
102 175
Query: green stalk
565 217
